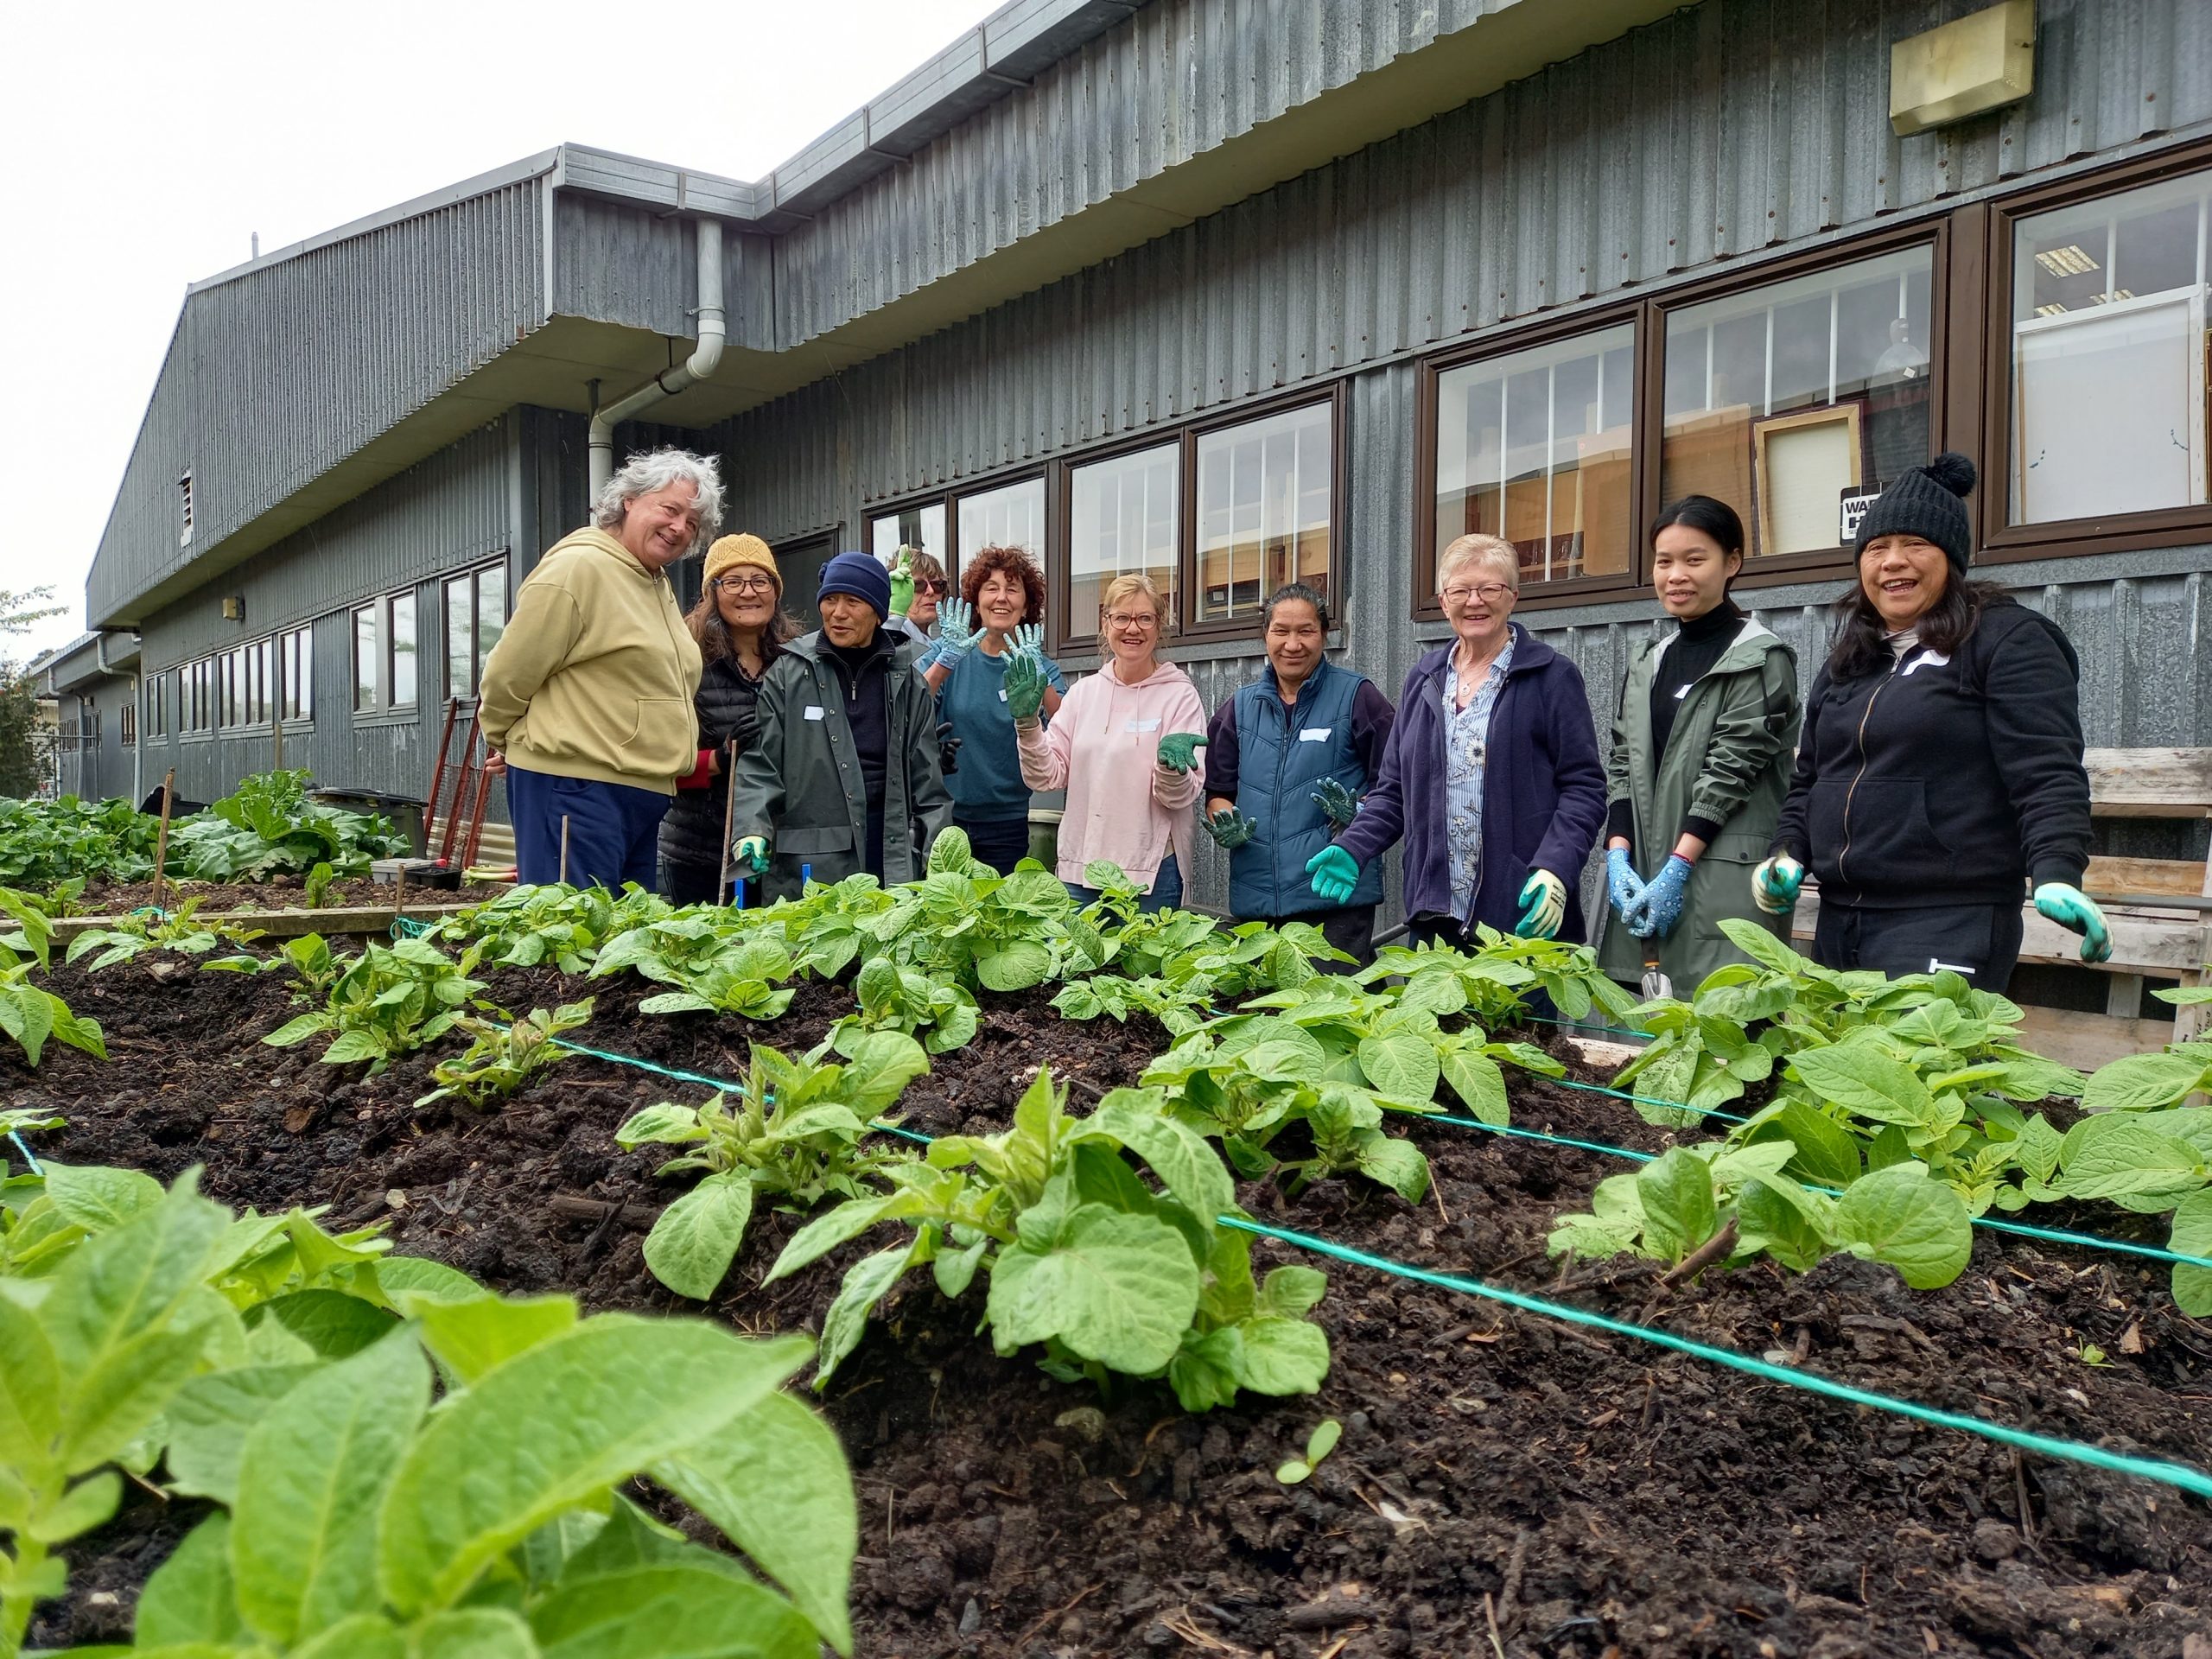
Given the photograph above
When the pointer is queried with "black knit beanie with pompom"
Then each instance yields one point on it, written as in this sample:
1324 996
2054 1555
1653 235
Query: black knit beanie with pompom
1929 502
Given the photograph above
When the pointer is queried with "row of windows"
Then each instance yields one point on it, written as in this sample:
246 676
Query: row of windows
238 687
1784 396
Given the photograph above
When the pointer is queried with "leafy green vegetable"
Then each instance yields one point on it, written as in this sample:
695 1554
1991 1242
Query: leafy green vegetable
143 931
526 926
893 998
389 1001
30 1013
269 827
505 1054
46 843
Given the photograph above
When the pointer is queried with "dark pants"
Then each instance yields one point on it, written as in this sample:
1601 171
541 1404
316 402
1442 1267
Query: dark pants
1000 842
1981 942
613 829
1167 890
685 883
1351 928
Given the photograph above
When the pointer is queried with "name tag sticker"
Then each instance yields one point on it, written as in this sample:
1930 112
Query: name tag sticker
1682 691
813 711
1152 725
1313 734
1001 694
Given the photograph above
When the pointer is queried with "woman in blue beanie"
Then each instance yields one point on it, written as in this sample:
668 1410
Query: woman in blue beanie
1940 773
844 775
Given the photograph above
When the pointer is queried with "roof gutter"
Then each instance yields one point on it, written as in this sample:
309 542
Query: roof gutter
699 365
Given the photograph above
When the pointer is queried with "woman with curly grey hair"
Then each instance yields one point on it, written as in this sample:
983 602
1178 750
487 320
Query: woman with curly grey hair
586 700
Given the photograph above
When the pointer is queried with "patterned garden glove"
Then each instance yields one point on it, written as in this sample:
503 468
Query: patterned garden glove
902 582
751 851
1025 685
1230 828
1660 907
948 750
1335 873
1339 804
2072 908
1624 887
955 631
1775 884
1545 895
1178 751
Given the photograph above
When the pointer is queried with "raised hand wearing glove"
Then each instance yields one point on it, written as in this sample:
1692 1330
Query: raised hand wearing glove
2074 909
1335 873
1230 828
948 750
955 631
1178 751
1775 884
1545 895
1624 887
1339 804
1025 685
902 582
751 851
1660 907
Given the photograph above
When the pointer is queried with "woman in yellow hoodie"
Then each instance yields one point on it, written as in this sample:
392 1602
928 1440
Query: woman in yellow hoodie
586 697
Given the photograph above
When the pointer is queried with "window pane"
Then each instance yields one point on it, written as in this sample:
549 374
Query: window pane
1264 493
366 653
1782 399
491 615
402 651
460 637
1122 517
1011 516
922 527
2108 354
1534 446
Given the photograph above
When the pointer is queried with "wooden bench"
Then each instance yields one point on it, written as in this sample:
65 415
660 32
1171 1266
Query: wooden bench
2159 910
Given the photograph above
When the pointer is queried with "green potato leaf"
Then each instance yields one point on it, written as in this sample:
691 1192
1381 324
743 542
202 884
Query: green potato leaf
1118 1289
691 1246
1917 1224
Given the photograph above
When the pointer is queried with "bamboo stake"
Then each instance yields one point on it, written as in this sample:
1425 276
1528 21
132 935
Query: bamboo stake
162 836
565 849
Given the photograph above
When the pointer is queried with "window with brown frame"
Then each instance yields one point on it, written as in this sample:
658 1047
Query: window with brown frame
1266 512
921 526
1123 516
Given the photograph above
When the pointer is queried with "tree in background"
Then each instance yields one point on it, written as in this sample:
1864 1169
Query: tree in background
22 763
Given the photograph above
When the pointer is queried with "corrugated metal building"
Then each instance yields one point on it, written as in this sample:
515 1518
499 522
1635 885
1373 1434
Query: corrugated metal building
1227 289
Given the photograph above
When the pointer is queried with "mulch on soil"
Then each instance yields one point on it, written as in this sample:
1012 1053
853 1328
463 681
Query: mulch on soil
1505 1484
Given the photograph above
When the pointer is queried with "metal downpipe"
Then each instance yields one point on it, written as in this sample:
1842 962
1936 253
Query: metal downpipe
699 365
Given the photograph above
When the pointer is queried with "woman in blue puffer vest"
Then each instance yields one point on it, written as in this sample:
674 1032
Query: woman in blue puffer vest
1287 759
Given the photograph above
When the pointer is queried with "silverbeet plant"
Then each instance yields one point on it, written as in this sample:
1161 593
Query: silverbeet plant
794 1136
1110 1273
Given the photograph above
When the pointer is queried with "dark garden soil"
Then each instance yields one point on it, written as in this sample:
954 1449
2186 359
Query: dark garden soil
279 892
1506 1485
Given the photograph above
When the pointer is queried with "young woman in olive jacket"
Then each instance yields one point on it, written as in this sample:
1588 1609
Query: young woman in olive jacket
1941 770
1699 761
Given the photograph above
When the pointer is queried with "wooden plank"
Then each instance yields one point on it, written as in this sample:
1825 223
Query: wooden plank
2086 1041
2150 783
285 923
2183 878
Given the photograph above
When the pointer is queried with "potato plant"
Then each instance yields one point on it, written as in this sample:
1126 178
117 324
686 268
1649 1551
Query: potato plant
389 1000
526 926
179 931
31 1015
504 1054
891 998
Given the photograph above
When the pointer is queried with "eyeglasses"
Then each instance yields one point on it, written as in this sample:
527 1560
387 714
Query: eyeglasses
744 585
1489 593
1147 621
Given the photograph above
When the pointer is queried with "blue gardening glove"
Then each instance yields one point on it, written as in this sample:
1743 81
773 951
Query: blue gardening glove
1178 751
1660 907
1775 884
955 631
751 851
1339 804
1335 873
2072 908
1624 887
902 582
1545 895
1230 828
1025 685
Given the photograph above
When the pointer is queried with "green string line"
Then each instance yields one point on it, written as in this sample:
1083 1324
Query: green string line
2172 1474
720 1085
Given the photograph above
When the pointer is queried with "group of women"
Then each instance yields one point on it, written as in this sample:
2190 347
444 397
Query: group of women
1932 775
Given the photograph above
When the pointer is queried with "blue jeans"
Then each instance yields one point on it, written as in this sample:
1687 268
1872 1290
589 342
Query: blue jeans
1166 889
613 828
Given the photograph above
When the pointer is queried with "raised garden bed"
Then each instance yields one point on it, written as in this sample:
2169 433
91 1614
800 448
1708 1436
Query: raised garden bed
1504 1485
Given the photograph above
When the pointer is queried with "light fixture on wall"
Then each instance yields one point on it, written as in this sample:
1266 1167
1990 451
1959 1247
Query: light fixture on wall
1969 67
234 608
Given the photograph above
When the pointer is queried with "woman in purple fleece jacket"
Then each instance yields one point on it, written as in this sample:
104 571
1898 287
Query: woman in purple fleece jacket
1491 775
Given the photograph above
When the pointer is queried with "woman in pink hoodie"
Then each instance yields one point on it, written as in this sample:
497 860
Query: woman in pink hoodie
1134 718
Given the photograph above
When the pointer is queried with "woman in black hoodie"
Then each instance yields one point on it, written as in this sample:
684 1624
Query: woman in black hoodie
1939 772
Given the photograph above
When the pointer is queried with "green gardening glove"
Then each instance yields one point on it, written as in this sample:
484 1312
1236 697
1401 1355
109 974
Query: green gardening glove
1178 751
2072 908
1775 884
902 582
1025 685
1230 828
1339 804
751 851
1545 895
1335 873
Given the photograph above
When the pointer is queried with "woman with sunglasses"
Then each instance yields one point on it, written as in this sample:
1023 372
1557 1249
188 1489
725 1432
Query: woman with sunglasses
918 583
1000 613
741 626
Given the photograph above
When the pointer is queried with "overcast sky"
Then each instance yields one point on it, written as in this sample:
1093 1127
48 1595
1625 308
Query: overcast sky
146 143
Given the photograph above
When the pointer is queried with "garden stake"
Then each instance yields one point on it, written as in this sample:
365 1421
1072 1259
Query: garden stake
729 809
161 835
565 849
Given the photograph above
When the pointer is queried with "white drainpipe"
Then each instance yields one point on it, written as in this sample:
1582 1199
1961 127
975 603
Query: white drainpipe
697 367
137 719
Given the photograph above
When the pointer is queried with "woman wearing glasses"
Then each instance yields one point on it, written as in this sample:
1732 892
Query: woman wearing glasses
1699 761
1492 775
1001 612
918 584
741 626
1136 720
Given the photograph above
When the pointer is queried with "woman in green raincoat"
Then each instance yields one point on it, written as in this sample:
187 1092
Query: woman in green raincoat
1700 761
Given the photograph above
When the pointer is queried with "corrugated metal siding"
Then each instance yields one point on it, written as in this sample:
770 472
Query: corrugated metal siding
621 265
249 400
